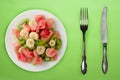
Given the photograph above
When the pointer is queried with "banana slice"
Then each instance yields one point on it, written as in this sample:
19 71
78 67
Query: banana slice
40 50
34 35
33 24
52 43
24 33
30 43
20 49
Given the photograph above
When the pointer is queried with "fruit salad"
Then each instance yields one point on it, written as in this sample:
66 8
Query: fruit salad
36 40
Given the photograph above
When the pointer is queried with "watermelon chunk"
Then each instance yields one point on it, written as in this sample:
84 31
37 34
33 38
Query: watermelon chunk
35 53
16 32
39 17
28 53
41 25
51 52
46 34
55 57
29 60
50 23
23 58
16 46
37 60
18 55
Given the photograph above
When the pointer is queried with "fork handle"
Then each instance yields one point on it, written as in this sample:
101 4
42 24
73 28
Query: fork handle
104 61
84 64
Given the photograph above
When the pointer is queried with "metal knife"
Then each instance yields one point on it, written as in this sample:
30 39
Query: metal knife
104 40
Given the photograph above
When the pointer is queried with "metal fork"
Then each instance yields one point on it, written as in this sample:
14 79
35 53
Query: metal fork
84 27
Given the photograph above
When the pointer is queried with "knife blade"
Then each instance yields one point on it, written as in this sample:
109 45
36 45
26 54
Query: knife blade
104 25
104 40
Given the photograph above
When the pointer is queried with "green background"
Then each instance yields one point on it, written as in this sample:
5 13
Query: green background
68 11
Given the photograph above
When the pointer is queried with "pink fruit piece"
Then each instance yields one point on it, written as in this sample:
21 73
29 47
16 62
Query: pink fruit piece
55 57
18 55
16 46
57 34
46 34
51 52
29 60
35 53
23 58
26 27
41 25
39 17
37 60
16 32
50 23
28 53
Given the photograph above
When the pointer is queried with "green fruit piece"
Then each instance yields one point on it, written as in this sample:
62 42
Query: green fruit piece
20 41
58 44
53 37
24 21
40 42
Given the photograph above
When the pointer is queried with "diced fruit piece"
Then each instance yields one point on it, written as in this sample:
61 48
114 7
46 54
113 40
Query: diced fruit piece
37 60
47 59
54 57
16 32
42 24
33 25
53 37
40 42
46 34
26 27
50 52
30 43
29 60
58 44
24 33
20 49
23 58
16 46
18 55
24 21
52 43
27 53
57 34
35 53
20 41
40 50
39 17
34 35
50 23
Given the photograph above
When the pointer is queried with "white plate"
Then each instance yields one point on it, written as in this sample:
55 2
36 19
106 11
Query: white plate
10 38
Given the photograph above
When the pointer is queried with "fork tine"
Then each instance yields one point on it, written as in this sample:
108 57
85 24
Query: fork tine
86 16
81 16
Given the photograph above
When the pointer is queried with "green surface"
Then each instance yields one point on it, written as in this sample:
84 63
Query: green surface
68 12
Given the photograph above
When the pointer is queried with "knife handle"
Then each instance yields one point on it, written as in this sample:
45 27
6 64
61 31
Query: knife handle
104 61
